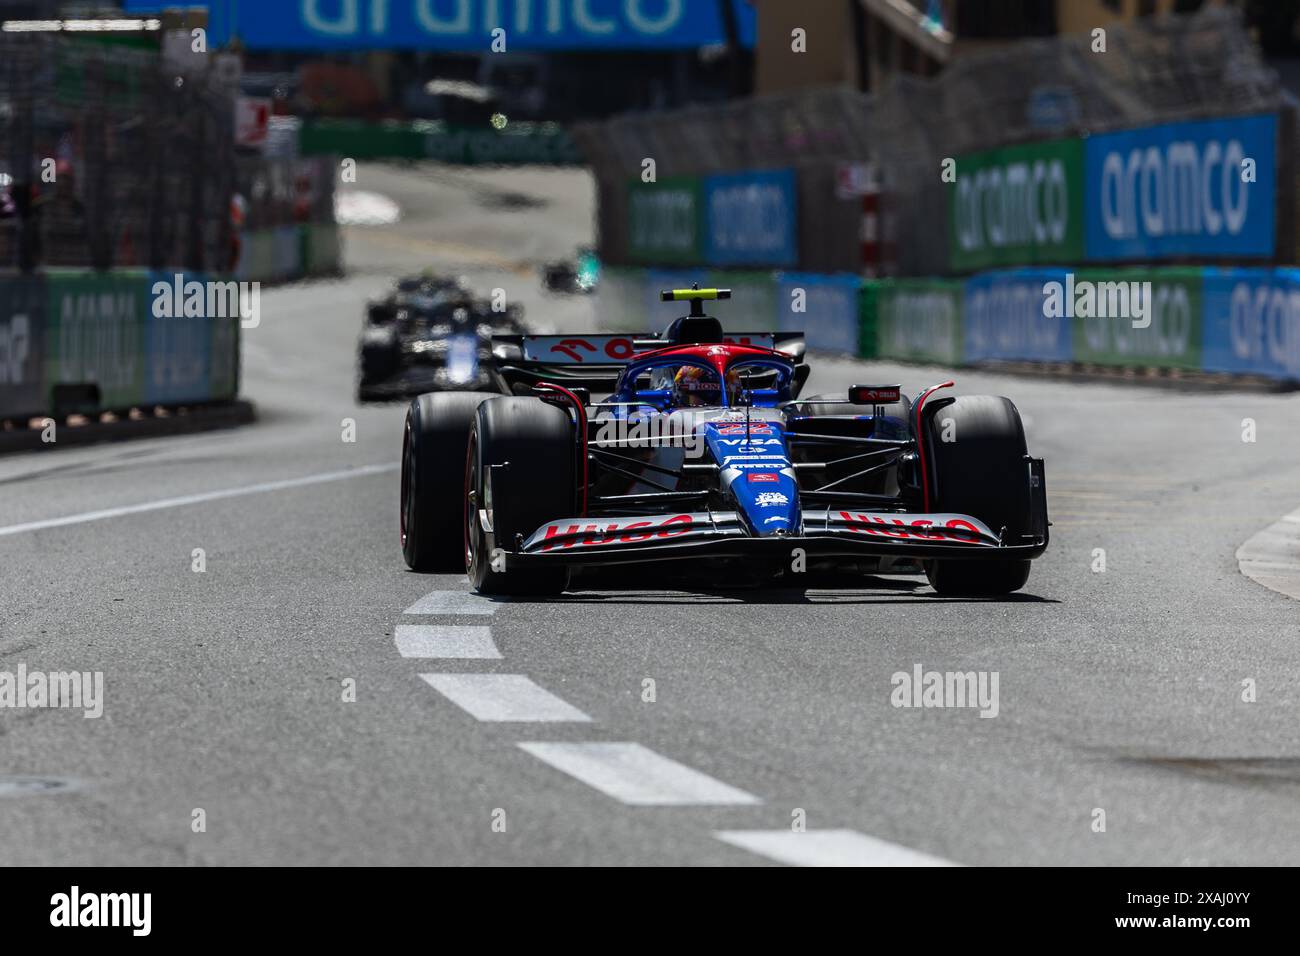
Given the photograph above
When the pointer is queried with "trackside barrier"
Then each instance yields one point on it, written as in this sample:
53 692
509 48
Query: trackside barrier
286 253
1236 321
91 342
516 144
1180 147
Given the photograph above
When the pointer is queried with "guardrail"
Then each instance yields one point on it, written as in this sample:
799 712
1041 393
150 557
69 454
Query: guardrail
87 343
1235 321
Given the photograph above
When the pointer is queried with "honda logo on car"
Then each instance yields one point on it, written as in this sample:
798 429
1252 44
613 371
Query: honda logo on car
608 532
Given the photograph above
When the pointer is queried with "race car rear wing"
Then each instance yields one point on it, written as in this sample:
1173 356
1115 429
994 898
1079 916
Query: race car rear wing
595 361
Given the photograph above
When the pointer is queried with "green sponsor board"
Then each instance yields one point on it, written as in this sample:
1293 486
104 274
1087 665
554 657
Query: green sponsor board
919 320
664 221
1135 316
1017 206
518 143
96 334
358 140
321 250
223 377
868 318
753 306
257 256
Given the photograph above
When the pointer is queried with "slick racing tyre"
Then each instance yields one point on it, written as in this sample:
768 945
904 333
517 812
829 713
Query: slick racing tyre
519 474
981 472
433 479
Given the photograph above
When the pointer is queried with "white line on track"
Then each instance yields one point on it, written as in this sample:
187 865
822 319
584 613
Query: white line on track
636 775
200 498
503 697
827 848
1272 556
440 640
453 602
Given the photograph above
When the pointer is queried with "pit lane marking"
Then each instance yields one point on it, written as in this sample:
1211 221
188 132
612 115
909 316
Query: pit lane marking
507 698
636 775
827 848
201 498
445 641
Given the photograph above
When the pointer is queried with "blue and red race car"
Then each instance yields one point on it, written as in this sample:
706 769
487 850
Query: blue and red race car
704 451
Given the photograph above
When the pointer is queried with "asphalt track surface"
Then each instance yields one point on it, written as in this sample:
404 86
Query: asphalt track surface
1119 690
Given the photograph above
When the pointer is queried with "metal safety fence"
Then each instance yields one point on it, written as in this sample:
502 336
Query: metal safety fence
109 159
1154 70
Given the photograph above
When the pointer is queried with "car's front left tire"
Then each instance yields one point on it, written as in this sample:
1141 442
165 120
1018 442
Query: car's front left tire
434 442
519 474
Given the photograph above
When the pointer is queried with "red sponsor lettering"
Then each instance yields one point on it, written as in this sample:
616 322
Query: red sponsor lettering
955 529
569 346
553 530
600 537
762 476
684 520
630 538
619 349
965 526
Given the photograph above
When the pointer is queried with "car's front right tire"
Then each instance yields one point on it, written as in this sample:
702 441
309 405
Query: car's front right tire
982 471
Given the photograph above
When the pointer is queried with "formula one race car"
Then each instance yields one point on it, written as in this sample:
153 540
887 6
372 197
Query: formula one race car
704 450
428 334
572 276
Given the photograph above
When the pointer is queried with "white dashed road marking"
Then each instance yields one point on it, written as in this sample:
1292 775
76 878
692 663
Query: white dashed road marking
453 602
439 640
503 697
637 775
163 503
827 848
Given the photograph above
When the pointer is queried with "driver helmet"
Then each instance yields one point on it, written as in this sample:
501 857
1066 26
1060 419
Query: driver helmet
695 387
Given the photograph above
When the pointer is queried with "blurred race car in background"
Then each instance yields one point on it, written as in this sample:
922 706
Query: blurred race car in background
706 451
430 333
572 276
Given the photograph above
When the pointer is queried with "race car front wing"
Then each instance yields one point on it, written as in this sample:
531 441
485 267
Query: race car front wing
711 534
